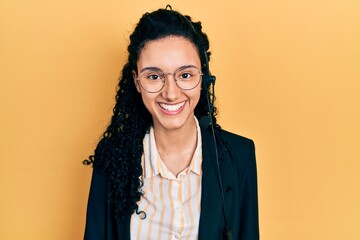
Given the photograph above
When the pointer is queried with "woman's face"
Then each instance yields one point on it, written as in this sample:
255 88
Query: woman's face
171 108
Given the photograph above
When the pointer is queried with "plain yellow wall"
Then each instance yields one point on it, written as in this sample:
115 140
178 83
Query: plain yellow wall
288 76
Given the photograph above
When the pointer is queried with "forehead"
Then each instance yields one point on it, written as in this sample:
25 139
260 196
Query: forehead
168 53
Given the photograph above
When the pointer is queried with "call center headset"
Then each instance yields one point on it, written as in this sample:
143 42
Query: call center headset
207 81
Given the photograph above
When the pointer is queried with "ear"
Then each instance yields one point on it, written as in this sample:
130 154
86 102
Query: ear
136 82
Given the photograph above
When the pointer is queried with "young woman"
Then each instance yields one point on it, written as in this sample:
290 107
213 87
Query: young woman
164 169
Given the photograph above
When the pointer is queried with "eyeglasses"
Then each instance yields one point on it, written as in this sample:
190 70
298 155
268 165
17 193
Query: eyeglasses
152 80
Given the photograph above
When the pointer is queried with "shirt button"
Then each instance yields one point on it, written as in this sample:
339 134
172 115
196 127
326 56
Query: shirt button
177 207
176 237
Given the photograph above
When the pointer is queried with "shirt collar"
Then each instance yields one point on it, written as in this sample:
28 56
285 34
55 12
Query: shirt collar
152 164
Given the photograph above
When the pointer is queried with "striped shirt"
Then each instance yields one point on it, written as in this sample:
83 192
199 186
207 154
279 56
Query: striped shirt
171 203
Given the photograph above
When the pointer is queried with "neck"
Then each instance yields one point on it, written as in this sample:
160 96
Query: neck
176 140
176 147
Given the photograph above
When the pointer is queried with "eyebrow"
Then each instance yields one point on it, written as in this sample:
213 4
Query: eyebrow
158 69
150 69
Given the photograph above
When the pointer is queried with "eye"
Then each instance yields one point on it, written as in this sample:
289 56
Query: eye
154 76
184 75
188 73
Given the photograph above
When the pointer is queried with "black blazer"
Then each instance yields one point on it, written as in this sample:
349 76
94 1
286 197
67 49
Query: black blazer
238 174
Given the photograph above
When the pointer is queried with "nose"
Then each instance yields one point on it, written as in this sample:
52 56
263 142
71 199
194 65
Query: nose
171 91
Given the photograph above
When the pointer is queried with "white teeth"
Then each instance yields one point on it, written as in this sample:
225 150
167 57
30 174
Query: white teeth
172 108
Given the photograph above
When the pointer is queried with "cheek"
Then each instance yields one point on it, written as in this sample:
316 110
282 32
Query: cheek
196 97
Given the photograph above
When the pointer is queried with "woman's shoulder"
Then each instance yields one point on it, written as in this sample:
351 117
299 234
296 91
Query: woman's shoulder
238 146
235 139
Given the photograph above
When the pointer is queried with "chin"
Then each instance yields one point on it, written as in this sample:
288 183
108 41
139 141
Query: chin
173 123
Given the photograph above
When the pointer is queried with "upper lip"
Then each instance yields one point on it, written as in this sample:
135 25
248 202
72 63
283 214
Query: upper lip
166 103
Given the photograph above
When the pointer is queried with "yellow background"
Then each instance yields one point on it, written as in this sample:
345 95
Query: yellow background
288 76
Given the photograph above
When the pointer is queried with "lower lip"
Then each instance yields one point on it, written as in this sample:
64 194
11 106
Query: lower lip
167 112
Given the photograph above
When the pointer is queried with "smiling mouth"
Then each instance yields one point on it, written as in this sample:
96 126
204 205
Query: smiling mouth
172 107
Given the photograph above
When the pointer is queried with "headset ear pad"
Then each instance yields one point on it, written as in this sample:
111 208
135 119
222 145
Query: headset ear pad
207 80
212 79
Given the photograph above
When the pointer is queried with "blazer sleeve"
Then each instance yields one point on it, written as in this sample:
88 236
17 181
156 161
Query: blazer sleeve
249 225
96 216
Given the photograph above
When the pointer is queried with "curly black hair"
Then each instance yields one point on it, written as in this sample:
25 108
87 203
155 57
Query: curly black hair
118 153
